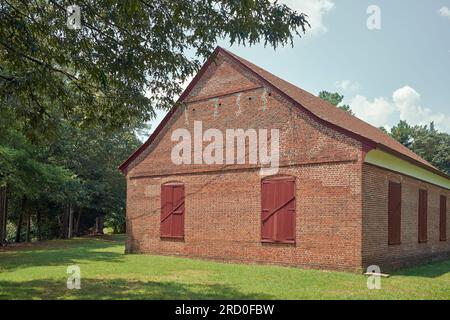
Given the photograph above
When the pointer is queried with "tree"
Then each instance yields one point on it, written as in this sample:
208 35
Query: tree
94 156
432 145
28 176
335 99
403 133
77 173
426 141
100 74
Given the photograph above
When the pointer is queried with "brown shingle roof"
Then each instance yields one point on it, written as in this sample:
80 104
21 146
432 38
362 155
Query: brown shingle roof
331 114
319 108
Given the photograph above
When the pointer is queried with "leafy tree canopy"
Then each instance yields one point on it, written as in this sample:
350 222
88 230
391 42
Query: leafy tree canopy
335 99
426 141
128 57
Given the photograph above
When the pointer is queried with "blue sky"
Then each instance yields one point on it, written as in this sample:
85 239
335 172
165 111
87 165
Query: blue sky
401 71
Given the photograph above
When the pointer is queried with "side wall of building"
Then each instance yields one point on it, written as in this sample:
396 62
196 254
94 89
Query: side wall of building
376 250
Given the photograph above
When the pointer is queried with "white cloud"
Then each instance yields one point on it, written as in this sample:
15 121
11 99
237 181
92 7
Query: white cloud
405 105
347 85
315 9
376 112
444 12
407 101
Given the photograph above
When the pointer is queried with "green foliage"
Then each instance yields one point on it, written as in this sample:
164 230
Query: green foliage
403 132
79 168
95 155
426 141
347 108
100 74
24 171
116 222
10 232
383 129
335 99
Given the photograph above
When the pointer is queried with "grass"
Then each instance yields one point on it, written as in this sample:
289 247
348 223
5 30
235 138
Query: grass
38 271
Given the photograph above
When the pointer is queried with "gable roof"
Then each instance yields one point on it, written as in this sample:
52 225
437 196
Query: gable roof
321 110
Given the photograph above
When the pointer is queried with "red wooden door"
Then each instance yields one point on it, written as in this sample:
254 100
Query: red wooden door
172 211
394 212
423 205
443 219
278 210
268 200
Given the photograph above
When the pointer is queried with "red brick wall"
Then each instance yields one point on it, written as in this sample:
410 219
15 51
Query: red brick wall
222 219
375 228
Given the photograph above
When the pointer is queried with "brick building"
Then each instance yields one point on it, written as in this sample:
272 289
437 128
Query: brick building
345 196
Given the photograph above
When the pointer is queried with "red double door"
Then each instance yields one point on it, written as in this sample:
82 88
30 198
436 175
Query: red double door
172 211
278 210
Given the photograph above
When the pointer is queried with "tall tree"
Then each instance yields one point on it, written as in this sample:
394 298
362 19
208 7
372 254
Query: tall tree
335 99
403 133
426 141
101 72
432 145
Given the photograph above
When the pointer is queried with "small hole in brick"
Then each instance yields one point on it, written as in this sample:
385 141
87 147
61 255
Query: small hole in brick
193 109
220 104
270 94
249 98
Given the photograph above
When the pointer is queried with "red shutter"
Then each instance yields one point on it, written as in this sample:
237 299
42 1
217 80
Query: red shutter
268 204
286 214
172 211
278 210
166 209
423 205
178 212
394 212
443 219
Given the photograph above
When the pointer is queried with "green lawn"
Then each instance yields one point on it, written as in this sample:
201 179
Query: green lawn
39 272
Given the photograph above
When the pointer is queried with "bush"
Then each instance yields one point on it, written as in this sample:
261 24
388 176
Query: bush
116 222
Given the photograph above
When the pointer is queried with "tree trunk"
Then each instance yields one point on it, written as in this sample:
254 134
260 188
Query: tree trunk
20 221
38 225
28 237
77 224
70 229
5 214
65 220
99 225
2 214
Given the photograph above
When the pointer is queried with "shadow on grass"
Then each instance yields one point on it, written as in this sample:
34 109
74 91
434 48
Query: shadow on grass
118 289
429 270
62 252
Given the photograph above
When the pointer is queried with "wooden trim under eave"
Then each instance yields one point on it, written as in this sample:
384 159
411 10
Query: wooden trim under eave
387 165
